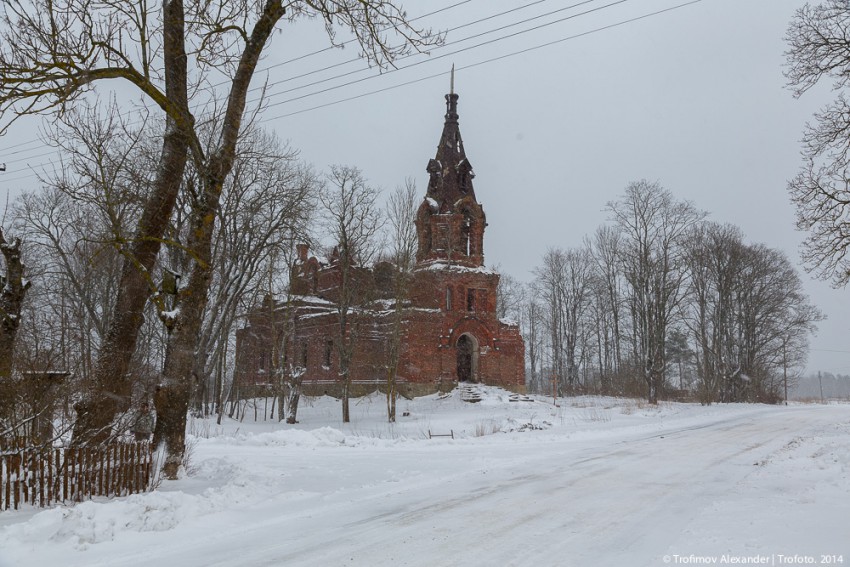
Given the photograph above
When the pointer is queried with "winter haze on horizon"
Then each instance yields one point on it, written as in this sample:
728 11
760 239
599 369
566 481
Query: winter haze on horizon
692 97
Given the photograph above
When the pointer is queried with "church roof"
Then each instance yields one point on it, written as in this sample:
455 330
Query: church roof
450 171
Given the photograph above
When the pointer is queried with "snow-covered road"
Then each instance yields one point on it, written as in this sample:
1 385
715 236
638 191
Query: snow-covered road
738 482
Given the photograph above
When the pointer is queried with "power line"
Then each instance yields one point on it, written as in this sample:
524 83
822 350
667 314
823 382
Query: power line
450 30
16 147
25 159
470 66
468 24
315 71
443 56
19 146
343 44
485 62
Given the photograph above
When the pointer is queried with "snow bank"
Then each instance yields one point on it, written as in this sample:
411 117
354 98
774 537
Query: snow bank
640 480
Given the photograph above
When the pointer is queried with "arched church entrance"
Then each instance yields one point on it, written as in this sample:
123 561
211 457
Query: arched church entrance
467 358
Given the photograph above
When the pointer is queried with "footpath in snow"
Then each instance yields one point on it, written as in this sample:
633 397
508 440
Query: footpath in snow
594 481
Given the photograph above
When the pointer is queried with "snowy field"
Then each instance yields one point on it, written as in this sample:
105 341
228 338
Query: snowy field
593 482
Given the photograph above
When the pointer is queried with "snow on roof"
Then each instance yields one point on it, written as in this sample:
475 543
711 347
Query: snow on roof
314 315
441 265
314 299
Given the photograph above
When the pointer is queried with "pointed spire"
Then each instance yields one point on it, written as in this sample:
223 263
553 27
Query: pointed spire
451 222
451 173
451 100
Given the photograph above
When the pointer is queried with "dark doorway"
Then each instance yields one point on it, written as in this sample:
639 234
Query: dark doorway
467 359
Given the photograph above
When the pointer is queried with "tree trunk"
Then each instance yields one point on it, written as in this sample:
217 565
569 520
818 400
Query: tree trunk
346 388
110 391
172 403
12 294
392 396
294 396
183 365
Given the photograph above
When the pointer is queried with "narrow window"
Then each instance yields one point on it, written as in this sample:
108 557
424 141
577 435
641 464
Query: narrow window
470 299
448 299
466 241
443 243
262 360
326 361
304 355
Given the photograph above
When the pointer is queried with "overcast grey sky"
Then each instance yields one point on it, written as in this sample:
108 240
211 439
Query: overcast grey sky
693 98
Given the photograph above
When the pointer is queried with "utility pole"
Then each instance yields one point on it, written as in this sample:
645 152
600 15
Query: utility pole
820 383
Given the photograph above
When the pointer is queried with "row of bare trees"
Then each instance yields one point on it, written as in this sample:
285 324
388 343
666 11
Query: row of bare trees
54 57
71 227
660 300
267 208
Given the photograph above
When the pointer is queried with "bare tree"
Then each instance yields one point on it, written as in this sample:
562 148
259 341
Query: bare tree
715 257
291 363
532 323
653 225
265 207
819 49
510 295
78 220
401 212
263 203
52 53
564 281
607 302
352 220
13 290
748 314
776 320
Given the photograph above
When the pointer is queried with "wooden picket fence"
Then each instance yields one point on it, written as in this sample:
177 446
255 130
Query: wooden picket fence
42 477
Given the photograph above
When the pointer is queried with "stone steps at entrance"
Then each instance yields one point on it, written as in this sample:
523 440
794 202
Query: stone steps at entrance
469 392
473 392
520 398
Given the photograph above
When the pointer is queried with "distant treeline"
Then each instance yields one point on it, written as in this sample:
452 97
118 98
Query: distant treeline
831 385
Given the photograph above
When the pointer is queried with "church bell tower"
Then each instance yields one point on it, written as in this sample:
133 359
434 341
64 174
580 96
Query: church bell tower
450 222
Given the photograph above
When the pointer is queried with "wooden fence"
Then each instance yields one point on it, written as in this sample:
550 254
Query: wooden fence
41 477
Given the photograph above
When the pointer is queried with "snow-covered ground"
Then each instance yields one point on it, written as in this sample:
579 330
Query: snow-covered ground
594 482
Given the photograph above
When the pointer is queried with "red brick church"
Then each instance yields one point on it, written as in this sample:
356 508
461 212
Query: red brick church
450 332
